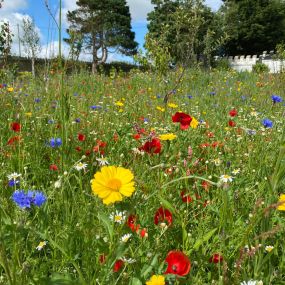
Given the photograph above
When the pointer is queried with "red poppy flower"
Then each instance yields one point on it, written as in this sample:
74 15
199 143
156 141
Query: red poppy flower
143 233
183 119
153 146
178 263
231 123
136 136
81 137
186 198
206 185
16 127
216 258
53 167
233 112
163 215
13 139
118 265
78 148
131 222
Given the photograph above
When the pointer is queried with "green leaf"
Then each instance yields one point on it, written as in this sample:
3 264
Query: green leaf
204 239
167 204
135 281
107 224
147 270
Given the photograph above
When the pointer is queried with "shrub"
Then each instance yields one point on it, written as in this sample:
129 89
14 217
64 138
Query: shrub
260 68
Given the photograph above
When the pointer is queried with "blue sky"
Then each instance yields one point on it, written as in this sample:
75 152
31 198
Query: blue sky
15 10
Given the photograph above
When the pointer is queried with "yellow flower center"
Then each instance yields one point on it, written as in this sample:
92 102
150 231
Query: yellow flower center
114 184
118 218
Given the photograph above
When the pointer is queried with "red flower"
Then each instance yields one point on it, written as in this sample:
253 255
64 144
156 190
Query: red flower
233 112
143 233
216 258
118 265
206 185
183 119
78 148
81 137
178 263
186 198
162 215
136 136
53 167
131 222
13 139
16 127
153 146
232 123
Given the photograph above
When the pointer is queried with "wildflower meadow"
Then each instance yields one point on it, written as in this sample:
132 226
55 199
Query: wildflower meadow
103 181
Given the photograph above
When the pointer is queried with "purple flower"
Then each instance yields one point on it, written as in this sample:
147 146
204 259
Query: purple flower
13 183
55 142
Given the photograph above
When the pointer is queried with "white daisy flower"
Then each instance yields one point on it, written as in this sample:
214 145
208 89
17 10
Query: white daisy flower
118 217
125 237
252 282
13 176
128 260
236 171
269 248
226 178
102 161
80 165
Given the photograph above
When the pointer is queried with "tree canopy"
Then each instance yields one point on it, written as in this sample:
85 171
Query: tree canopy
253 25
102 25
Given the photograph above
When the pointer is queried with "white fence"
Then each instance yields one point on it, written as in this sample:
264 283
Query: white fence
245 63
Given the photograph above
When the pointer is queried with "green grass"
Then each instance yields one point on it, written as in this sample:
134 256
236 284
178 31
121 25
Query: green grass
224 218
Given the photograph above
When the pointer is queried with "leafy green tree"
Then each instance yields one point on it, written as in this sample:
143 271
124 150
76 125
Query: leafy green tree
253 25
5 41
186 23
103 25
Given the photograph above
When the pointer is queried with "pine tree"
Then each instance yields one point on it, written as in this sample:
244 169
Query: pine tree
103 25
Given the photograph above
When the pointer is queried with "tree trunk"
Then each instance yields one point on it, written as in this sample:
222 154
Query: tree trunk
33 67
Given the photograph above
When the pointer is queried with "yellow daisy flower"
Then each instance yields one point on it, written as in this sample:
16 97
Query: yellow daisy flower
156 280
112 183
281 201
10 89
160 109
194 123
172 105
119 103
167 137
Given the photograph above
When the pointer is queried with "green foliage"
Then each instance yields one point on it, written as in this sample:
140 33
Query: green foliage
253 25
222 64
190 29
260 68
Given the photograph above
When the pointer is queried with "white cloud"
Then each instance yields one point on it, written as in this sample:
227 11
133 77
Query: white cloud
214 4
13 5
139 9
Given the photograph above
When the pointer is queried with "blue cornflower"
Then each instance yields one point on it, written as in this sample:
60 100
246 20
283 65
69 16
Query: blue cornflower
39 198
13 183
267 123
75 94
243 98
21 199
212 93
26 200
37 100
276 99
158 96
77 120
189 96
55 142
95 107
50 121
